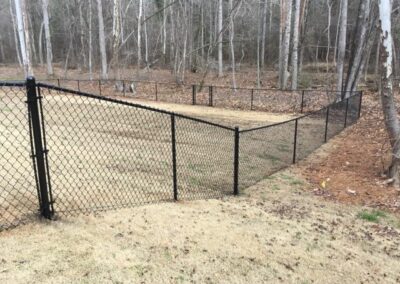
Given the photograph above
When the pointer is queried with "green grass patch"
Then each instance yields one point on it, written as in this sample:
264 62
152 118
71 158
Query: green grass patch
371 216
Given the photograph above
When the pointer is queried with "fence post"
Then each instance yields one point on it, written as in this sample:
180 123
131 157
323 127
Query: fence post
100 87
58 82
38 152
295 141
123 88
174 177
326 124
79 87
156 86
210 96
345 116
252 99
359 107
193 94
302 101
236 163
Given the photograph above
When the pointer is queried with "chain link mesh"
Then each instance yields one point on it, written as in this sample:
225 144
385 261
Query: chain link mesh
18 193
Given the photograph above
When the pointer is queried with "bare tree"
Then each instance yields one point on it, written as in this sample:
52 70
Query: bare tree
116 34
23 36
139 36
341 45
295 51
102 40
220 44
388 104
90 41
49 50
285 45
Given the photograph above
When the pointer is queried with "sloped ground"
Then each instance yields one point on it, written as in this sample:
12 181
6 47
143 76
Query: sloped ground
274 232
353 165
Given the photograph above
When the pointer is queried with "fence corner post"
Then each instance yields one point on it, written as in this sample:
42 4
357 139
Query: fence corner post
326 124
359 107
302 101
345 115
295 140
193 94
38 150
252 99
236 163
210 96
174 174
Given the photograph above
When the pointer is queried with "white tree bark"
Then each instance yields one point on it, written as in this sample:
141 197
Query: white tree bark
263 32
23 36
341 46
231 44
116 34
139 36
285 46
102 40
220 37
295 51
17 48
49 50
90 42
388 103
328 33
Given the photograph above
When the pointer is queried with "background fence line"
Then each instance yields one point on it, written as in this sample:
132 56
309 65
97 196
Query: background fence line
91 152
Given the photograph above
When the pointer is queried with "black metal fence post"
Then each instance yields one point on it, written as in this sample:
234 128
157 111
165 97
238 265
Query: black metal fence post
58 83
156 86
174 176
345 115
210 96
100 87
38 151
236 163
123 88
359 107
302 102
295 141
193 94
326 124
252 99
79 87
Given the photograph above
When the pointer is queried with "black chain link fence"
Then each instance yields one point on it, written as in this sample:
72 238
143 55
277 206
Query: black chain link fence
259 99
66 152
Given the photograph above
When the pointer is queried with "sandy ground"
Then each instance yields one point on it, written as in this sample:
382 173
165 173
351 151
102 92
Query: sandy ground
275 232
229 117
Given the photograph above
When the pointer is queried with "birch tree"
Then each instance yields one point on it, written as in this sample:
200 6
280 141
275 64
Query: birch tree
23 36
102 41
295 52
49 50
116 35
285 45
341 46
139 36
220 37
388 103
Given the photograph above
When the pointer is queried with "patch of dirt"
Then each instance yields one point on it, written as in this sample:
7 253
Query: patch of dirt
350 169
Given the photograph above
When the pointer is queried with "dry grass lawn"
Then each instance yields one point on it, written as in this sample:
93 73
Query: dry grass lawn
275 232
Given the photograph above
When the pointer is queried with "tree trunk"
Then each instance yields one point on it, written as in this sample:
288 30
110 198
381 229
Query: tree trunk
139 36
49 50
102 40
285 46
328 34
388 103
220 37
23 36
263 32
17 48
231 44
90 42
116 34
295 52
341 46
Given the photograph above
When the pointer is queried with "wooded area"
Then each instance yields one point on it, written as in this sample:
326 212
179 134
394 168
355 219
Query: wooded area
198 36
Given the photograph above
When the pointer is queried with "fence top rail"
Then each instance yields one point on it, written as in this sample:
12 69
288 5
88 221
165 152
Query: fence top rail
299 117
200 85
12 84
121 102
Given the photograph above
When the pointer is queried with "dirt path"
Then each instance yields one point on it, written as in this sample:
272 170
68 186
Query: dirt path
275 233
